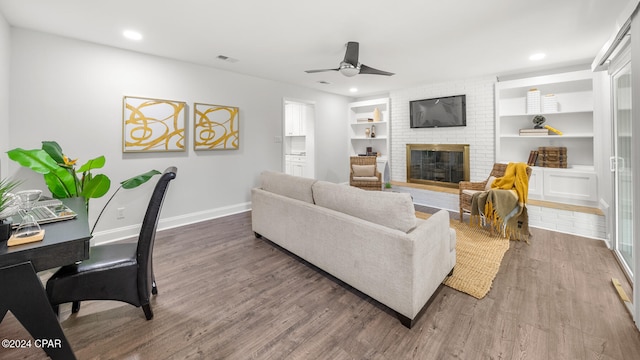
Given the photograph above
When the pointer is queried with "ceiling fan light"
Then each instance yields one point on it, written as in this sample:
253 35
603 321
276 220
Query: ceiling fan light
349 70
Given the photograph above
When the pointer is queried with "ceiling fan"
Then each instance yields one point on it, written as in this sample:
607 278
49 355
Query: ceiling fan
350 65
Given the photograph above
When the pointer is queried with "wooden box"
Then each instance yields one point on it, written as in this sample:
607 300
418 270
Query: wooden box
552 156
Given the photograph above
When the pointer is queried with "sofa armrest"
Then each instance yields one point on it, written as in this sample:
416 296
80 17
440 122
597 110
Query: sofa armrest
432 260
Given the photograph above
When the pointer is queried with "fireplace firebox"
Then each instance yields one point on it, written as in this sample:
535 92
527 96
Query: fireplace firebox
438 164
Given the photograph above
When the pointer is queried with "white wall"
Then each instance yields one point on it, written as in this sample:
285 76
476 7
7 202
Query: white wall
479 132
5 50
71 92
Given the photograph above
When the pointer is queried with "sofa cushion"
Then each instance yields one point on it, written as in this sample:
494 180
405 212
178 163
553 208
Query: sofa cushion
365 178
393 210
363 170
294 187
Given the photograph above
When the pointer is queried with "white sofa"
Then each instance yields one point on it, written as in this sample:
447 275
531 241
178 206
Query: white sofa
370 240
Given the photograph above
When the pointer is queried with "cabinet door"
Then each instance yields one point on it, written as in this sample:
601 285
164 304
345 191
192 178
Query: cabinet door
297 169
535 183
570 186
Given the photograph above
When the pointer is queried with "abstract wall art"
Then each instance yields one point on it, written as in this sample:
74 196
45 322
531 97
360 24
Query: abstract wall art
216 127
152 125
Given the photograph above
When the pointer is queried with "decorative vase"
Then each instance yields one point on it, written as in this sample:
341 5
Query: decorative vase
377 116
367 131
373 131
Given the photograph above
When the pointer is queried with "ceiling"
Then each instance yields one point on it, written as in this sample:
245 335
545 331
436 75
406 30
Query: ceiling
421 41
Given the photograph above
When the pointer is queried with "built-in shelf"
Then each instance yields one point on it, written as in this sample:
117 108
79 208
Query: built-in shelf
359 141
573 116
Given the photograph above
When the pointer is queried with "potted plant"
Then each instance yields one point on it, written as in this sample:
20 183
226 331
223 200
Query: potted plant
8 206
62 177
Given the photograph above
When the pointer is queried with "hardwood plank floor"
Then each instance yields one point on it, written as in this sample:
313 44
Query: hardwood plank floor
223 294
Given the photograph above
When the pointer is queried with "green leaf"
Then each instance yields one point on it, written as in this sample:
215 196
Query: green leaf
96 163
96 187
138 180
6 186
62 183
54 150
37 160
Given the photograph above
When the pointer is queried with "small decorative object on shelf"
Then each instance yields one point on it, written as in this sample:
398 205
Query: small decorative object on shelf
554 130
533 101
538 129
377 116
373 131
367 132
549 103
538 120
553 156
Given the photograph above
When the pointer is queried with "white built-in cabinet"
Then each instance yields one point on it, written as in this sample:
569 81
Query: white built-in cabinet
360 129
296 165
572 115
295 120
298 138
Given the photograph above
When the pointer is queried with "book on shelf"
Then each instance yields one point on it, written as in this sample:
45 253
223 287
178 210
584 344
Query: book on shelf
533 157
533 132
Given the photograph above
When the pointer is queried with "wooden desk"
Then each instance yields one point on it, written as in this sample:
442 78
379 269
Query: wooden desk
22 292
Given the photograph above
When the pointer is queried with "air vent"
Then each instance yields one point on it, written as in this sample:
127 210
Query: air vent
227 59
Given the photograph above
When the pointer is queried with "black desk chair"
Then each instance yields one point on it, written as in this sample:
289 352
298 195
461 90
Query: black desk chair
122 272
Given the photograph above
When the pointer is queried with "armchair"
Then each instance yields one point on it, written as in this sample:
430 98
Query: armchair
468 188
363 173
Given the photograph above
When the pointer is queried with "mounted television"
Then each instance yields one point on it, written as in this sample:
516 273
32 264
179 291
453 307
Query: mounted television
439 112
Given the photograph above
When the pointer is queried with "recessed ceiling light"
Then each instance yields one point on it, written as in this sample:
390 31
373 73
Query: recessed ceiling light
353 90
132 35
536 57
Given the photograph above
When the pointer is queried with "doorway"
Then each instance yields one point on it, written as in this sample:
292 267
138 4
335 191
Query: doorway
621 161
298 138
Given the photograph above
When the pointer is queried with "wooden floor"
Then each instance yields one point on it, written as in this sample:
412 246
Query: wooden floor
223 294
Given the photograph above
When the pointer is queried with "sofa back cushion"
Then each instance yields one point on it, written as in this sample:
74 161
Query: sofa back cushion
393 210
294 187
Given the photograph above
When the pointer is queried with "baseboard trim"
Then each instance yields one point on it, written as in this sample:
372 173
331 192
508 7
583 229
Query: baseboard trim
125 232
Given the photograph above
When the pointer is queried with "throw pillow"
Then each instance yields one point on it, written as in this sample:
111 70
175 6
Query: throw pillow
364 170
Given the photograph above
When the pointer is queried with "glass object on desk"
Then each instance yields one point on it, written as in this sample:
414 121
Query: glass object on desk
28 226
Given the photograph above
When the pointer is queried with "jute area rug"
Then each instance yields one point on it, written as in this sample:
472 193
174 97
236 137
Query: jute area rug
478 258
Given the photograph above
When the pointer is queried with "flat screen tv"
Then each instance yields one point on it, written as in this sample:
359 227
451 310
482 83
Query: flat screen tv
438 112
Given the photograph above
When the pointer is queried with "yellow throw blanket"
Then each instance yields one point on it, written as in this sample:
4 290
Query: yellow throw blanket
504 206
515 177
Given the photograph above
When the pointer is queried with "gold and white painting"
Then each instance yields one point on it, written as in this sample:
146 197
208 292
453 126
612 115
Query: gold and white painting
216 127
153 125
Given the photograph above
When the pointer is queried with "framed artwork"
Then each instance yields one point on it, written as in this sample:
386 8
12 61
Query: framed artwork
215 127
152 125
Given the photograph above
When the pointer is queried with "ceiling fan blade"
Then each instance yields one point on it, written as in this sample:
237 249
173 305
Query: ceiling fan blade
364 69
319 70
351 56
